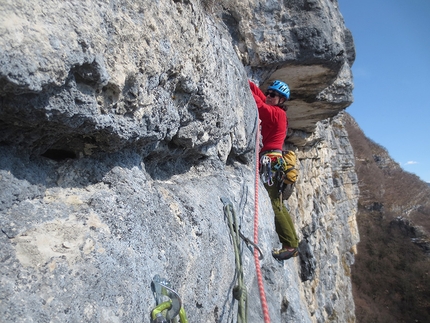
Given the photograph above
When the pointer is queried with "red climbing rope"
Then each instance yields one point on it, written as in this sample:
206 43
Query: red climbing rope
256 254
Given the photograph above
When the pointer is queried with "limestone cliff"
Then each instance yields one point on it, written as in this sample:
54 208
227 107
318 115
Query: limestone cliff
123 124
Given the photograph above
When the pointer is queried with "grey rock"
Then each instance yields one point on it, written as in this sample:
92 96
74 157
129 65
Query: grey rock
307 261
122 125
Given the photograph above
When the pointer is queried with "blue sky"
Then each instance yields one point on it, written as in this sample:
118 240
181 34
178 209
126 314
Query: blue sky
392 77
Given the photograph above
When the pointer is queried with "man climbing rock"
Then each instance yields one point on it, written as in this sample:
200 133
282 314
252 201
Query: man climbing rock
274 124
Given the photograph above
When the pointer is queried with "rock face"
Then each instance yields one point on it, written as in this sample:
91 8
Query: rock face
123 124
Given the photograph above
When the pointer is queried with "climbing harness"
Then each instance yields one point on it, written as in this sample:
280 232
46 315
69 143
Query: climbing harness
169 304
239 291
272 167
279 167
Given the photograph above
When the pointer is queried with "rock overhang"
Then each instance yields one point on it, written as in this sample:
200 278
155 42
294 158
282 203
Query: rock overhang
303 43
311 100
111 100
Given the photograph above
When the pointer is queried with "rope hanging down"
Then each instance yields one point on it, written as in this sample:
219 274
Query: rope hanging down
239 291
256 258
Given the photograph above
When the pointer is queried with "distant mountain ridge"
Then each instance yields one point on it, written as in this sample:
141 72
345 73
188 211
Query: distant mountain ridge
390 276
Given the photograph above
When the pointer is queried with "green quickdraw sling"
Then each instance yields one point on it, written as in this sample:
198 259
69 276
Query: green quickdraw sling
239 291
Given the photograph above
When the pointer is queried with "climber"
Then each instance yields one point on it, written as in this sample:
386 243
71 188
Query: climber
274 124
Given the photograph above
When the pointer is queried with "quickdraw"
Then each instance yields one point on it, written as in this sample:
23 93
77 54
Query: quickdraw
239 291
266 170
228 207
169 304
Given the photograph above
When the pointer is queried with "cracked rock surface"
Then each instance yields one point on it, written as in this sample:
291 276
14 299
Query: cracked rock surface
124 123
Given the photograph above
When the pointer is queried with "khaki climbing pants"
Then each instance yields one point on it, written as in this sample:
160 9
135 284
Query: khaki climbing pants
283 223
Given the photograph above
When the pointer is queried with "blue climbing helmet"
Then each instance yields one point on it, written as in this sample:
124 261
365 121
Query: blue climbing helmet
280 87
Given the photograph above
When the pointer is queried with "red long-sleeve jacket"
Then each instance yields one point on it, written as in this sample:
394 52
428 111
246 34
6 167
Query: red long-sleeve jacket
274 121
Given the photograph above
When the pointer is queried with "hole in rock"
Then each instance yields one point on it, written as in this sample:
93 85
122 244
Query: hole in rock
59 154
